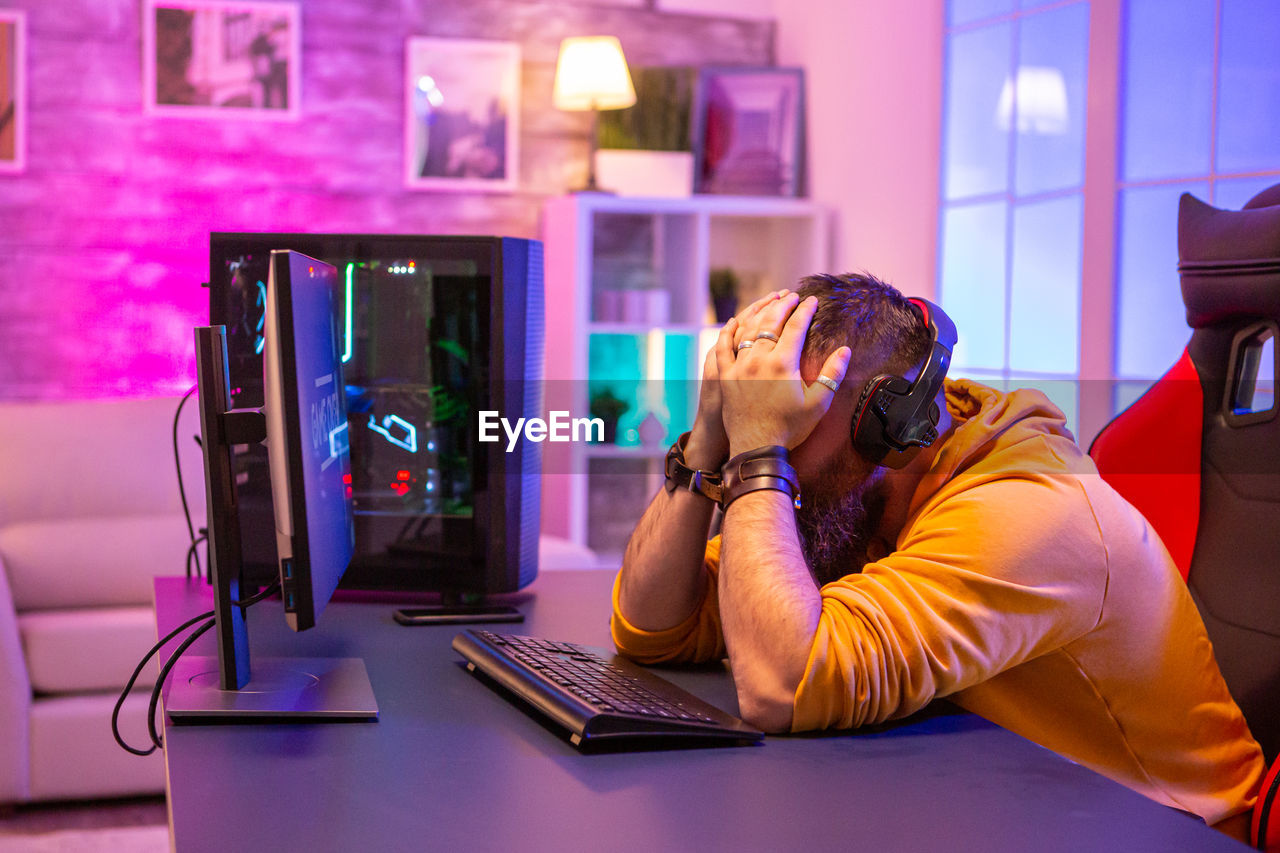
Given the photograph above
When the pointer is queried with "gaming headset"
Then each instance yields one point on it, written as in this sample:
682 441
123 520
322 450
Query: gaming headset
895 417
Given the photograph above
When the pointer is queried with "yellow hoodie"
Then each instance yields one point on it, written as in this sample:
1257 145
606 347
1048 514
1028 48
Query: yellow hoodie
1026 590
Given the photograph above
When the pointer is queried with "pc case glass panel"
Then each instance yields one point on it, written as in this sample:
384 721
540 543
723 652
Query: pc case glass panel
1168 88
416 356
1249 87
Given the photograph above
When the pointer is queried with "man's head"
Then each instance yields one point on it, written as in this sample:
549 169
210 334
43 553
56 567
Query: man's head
844 493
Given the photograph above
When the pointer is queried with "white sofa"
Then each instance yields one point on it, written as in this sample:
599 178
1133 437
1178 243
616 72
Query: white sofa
89 514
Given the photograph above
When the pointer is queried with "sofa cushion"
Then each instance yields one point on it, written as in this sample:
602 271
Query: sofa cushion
91 562
93 648
96 458
74 757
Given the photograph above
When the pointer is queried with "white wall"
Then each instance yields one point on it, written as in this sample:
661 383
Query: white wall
874 77
874 74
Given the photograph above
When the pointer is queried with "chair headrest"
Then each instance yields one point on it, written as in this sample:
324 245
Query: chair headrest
1229 260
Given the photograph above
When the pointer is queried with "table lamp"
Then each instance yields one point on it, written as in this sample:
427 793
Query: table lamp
591 74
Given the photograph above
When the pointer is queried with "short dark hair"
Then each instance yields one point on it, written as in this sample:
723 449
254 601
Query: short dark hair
870 317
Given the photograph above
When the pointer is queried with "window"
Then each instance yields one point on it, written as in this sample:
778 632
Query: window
1197 109
1012 195
1219 57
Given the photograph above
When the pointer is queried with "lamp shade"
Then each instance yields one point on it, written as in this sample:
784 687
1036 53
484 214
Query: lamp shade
591 74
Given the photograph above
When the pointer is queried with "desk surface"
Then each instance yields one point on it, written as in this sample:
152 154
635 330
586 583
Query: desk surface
453 765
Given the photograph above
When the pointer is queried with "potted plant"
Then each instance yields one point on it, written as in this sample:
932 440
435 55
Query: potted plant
608 408
723 283
645 150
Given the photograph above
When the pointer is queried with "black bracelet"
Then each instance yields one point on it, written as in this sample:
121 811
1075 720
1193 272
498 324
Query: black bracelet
762 468
681 476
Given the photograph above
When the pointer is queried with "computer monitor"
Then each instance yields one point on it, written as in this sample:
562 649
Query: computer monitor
303 423
307 435
435 330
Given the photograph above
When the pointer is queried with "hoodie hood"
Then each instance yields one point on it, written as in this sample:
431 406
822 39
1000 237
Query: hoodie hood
995 434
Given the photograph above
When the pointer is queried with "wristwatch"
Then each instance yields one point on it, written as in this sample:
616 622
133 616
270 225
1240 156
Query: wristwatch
681 476
762 468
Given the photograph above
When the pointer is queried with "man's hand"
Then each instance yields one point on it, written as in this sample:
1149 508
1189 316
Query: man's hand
708 445
781 409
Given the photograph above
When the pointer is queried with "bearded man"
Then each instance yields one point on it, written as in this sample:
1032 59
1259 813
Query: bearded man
992 566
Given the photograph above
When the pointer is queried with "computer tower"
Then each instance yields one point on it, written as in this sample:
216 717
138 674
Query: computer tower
436 329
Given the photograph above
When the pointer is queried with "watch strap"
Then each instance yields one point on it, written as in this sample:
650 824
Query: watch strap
762 468
681 476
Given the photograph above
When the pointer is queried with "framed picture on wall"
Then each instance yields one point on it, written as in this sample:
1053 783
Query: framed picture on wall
462 114
13 92
749 131
221 58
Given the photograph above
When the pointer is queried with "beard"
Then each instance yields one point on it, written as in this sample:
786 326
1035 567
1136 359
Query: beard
836 521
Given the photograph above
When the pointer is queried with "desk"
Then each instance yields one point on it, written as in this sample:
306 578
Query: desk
452 765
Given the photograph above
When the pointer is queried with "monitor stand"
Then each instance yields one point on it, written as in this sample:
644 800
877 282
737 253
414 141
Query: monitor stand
279 689
225 688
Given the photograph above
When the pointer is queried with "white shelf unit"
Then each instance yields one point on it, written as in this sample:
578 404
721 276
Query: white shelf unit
629 310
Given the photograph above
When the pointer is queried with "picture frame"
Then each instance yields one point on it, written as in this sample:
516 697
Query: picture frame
13 91
234 59
462 114
749 132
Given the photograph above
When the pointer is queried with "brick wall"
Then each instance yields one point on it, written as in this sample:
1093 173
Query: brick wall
104 238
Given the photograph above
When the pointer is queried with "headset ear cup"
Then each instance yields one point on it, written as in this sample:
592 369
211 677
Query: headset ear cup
866 428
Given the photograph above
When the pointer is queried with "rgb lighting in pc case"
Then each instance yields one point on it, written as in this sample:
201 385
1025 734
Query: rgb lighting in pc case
435 329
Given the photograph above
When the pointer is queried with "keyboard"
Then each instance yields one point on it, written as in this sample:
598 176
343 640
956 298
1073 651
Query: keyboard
597 696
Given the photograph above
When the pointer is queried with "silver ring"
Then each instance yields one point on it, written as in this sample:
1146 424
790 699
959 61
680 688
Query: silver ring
747 344
768 336
828 381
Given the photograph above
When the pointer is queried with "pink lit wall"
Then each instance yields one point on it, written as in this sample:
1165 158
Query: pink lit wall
104 238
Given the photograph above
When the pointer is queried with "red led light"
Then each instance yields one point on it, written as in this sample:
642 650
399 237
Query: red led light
346 478
400 489
402 474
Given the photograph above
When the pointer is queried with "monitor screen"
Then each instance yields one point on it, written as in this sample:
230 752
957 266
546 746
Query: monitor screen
307 432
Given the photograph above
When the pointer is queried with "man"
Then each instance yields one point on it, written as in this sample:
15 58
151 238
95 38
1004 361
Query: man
996 568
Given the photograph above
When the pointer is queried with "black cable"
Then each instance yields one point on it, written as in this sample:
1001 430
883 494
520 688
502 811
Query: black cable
192 552
182 492
115 714
164 672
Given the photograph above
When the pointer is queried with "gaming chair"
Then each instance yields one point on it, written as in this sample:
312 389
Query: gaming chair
1199 456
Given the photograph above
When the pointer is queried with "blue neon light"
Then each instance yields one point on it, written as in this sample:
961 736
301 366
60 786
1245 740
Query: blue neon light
410 439
258 340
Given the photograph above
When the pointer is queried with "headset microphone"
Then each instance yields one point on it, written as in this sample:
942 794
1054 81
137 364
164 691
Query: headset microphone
895 417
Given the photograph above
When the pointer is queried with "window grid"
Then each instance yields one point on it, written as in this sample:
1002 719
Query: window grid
1005 17
1011 199
1129 381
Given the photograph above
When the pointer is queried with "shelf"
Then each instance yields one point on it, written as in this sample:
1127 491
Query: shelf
629 310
